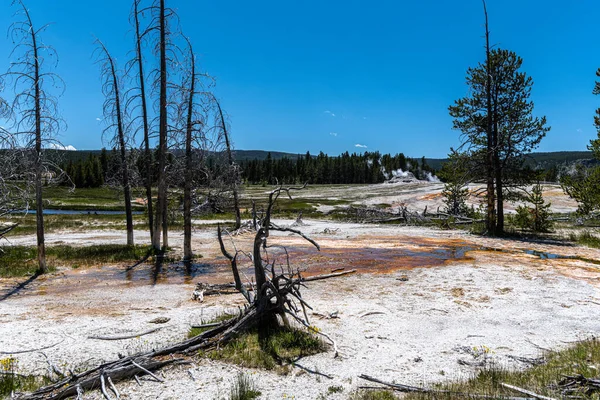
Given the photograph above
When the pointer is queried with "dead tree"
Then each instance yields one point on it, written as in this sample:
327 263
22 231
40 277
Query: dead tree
137 64
276 291
490 135
194 127
34 109
166 51
233 168
160 221
115 115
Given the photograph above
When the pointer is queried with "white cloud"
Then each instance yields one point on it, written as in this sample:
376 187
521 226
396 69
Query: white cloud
98 119
333 133
56 146
329 112
362 146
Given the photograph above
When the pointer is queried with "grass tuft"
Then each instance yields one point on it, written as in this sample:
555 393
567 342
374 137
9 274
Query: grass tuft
243 389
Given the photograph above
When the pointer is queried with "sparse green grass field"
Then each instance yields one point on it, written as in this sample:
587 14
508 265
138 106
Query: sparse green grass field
22 260
582 359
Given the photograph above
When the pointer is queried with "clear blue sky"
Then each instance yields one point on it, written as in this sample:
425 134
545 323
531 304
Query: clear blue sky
330 74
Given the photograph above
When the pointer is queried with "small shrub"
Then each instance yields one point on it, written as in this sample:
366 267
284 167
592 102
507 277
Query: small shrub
335 389
536 217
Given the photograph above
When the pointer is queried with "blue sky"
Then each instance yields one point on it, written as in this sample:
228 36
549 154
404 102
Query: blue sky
329 75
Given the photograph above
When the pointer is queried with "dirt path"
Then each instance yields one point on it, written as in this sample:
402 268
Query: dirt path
425 299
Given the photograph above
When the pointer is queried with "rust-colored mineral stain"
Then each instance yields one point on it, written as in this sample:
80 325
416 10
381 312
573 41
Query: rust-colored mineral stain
379 260
366 254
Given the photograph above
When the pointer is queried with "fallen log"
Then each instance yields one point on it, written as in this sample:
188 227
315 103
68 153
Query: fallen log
326 276
31 350
527 392
395 386
131 336
229 288
215 324
138 364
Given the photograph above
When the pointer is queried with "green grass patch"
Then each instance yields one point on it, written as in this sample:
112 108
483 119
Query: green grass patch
269 351
586 238
102 198
72 222
193 332
18 261
105 253
580 359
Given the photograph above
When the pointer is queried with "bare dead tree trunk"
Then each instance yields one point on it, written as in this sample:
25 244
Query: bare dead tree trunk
113 109
38 165
139 60
491 206
187 191
498 169
42 266
36 112
161 209
236 202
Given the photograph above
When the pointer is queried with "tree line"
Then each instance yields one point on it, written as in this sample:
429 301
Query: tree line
365 168
96 170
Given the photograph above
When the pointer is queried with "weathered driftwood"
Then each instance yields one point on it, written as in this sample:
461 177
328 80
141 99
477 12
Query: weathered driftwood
123 337
230 288
527 392
326 276
31 350
577 385
379 216
138 364
213 325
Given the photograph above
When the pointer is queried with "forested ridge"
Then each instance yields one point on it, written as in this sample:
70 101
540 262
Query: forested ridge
95 168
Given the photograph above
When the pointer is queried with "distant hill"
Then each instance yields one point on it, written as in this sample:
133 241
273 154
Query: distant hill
548 160
243 155
542 160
